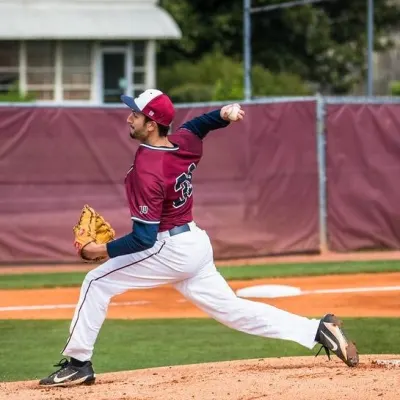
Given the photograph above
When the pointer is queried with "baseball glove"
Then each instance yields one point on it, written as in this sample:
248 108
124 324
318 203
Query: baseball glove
91 227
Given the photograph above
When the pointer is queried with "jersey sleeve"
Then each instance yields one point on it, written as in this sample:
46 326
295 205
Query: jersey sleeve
146 198
205 123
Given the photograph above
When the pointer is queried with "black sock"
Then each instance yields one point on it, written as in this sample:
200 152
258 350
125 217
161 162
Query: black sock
77 363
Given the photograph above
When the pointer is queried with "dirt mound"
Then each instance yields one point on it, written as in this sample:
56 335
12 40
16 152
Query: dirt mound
300 378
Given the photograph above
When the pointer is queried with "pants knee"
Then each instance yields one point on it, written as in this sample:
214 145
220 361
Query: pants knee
90 277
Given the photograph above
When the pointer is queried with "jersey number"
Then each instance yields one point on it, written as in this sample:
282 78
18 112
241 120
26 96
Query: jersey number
183 184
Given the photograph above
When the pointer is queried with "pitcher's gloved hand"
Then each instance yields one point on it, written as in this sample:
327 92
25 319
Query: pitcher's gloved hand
91 227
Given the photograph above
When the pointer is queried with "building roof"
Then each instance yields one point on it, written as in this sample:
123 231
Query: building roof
85 19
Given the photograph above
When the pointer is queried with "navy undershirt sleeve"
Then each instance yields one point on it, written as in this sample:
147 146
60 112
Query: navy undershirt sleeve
141 238
205 123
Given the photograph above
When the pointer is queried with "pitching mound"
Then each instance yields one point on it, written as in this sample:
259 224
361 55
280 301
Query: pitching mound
300 378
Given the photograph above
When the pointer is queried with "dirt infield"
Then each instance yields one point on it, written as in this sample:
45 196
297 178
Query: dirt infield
305 378
372 295
300 378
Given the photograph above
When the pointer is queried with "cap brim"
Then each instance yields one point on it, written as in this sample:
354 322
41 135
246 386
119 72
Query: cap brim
130 102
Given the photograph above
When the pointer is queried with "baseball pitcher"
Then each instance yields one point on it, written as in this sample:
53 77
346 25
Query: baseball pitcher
167 247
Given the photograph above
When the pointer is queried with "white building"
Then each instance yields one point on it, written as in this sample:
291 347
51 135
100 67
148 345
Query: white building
81 50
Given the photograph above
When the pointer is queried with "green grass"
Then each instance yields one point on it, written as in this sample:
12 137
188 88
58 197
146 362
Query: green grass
70 279
312 269
30 348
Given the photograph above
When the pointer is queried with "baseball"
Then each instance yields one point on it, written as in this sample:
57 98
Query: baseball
233 112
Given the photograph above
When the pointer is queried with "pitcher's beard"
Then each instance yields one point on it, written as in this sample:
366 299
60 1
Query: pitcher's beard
137 134
132 134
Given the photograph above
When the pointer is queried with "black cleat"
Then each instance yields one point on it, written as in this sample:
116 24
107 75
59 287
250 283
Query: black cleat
69 375
332 338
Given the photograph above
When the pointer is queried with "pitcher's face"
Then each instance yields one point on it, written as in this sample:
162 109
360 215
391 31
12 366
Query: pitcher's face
138 126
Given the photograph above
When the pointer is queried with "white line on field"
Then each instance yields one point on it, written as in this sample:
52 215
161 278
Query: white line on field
353 290
60 306
274 291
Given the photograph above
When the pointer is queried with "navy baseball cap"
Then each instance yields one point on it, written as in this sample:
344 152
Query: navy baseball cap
154 104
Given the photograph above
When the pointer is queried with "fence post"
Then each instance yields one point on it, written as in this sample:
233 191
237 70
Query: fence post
321 160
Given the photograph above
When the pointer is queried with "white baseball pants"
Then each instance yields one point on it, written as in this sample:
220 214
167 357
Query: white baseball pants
186 262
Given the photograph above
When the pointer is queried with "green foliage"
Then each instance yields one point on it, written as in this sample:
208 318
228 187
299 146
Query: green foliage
324 43
14 96
191 92
395 88
217 77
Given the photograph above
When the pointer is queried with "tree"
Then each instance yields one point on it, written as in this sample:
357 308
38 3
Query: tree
216 77
323 43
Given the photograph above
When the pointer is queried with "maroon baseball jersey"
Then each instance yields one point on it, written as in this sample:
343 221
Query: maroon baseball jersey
159 183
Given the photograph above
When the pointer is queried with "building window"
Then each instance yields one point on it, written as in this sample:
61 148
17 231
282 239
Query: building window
77 94
63 70
40 59
77 70
139 69
9 66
